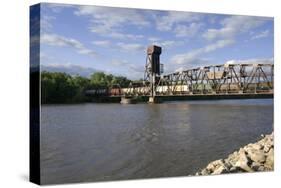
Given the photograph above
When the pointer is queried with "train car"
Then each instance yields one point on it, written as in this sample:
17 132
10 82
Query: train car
97 92
115 91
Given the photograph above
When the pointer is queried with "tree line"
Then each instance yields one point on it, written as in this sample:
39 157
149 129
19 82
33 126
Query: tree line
58 87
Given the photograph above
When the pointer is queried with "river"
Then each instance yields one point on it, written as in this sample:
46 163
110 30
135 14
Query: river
97 142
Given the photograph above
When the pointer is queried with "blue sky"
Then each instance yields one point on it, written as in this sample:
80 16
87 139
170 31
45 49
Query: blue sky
83 39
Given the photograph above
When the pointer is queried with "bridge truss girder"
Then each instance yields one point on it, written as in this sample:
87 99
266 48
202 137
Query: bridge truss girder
218 79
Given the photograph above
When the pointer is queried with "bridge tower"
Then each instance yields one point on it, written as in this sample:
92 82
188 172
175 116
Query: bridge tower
153 69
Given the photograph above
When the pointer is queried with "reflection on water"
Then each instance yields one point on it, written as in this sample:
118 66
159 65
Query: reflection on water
93 142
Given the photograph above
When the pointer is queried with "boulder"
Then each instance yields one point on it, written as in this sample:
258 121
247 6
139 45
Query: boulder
215 164
256 146
256 155
243 161
236 169
269 163
220 170
256 166
261 168
205 172
233 158
266 148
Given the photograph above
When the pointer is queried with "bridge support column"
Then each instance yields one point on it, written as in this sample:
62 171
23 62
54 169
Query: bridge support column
154 100
126 100
151 100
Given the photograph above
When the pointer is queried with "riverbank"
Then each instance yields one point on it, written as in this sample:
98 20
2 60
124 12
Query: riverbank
253 157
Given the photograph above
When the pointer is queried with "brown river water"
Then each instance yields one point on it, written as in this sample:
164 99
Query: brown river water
99 142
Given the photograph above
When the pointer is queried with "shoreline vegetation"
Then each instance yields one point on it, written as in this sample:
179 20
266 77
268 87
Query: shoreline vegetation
254 157
62 88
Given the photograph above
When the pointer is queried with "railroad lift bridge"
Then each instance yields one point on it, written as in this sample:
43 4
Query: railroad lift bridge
226 81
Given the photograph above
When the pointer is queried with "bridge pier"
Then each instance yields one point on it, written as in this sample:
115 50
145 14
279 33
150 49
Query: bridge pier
126 100
154 99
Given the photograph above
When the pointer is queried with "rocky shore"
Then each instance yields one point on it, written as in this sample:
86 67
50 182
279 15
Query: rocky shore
253 157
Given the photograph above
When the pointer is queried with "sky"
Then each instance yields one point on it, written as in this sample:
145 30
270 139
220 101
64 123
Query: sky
84 39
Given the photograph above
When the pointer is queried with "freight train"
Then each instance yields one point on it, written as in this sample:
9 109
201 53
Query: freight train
180 89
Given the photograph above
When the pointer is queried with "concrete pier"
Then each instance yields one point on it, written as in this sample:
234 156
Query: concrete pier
125 100
152 100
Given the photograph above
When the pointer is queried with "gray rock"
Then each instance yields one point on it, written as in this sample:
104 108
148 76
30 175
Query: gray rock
255 166
256 155
220 170
236 169
269 163
213 165
233 169
205 172
243 161
256 146
266 148
261 168
233 158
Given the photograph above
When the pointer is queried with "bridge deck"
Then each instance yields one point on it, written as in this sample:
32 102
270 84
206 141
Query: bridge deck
192 97
216 96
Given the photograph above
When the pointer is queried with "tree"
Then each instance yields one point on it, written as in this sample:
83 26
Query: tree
98 79
57 87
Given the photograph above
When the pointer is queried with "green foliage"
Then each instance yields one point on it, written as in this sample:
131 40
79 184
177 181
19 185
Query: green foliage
57 87
102 80
121 80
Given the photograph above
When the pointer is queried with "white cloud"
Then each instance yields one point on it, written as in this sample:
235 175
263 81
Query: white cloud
117 62
200 62
46 22
131 46
61 41
136 47
110 22
130 70
192 63
102 43
251 61
56 7
182 24
167 22
194 54
47 19
119 35
232 26
153 39
137 68
262 34
167 44
187 31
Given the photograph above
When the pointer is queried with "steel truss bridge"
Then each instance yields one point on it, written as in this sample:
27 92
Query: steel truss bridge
212 80
208 82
